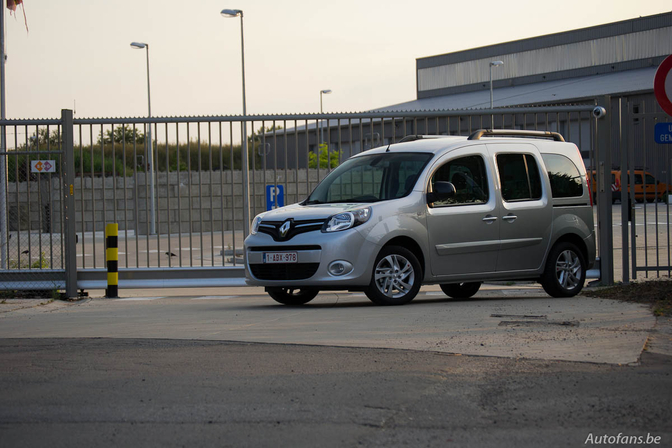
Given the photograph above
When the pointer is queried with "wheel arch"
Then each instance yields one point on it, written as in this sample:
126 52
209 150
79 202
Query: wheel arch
574 239
410 244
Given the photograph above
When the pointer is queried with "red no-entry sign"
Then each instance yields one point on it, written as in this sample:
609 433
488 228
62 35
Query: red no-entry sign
662 85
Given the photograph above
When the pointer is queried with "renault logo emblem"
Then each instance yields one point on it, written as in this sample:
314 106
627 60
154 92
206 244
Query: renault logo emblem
284 228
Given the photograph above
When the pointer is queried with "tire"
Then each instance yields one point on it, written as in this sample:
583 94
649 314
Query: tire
461 290
565 271
292 296
396 277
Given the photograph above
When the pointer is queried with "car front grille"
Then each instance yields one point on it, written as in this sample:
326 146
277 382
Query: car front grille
289 271
273 228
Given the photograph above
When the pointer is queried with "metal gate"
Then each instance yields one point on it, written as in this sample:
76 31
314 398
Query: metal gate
643 185
181 196
34 196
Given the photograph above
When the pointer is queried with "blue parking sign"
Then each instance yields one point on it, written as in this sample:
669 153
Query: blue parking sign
275 196
663 133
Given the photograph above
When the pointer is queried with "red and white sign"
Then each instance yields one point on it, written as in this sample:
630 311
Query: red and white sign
662 85
42 166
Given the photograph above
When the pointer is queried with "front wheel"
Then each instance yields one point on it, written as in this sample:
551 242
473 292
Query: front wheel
565 271
396 278
461 290
292 296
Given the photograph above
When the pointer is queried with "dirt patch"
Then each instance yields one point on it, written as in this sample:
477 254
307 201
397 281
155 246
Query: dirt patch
656 293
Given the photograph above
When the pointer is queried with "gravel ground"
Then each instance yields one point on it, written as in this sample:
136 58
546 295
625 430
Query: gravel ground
656 293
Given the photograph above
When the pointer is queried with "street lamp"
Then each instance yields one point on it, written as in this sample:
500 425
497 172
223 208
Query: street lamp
322 92
232 13
150 146
493 64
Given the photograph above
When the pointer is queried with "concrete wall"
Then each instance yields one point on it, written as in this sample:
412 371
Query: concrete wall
193 202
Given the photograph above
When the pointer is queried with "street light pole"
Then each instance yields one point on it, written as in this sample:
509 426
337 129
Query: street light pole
150 146
3 147
325 92
231 13
493 64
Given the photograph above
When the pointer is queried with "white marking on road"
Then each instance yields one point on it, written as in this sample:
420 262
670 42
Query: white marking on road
174 250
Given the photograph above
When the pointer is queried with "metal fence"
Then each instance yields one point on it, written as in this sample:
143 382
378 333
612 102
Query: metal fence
644 186
33 206
180 199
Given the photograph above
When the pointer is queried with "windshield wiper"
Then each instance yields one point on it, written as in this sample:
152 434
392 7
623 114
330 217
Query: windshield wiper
313 201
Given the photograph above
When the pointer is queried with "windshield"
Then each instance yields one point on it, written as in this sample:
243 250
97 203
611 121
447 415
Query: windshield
373 178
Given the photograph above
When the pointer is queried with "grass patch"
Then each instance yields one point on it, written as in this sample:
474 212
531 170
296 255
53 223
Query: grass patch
655 293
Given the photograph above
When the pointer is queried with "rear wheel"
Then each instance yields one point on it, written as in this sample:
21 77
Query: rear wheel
565 271
292 296
461 290
396 278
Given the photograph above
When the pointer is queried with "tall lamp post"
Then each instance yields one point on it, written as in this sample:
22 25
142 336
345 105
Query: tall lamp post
232 13
322 92
150 146
493 64
3 147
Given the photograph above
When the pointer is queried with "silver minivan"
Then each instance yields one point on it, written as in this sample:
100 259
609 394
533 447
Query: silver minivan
453 211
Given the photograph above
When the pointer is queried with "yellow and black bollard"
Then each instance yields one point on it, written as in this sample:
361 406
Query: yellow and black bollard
112 258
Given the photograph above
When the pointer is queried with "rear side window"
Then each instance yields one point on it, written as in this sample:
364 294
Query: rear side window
519 177
564 176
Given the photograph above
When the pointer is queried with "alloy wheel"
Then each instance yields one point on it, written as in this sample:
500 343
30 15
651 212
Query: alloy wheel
394 276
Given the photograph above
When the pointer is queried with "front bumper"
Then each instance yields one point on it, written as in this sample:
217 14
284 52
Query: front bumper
315 252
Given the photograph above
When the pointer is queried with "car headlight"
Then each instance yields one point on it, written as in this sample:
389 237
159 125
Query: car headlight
347 220
255 223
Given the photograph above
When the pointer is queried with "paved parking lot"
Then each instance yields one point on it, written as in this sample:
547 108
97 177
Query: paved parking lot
518 321
162 368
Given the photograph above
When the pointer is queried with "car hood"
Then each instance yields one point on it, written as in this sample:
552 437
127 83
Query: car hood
305 212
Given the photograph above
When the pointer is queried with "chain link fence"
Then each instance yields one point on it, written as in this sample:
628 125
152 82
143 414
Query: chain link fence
33 250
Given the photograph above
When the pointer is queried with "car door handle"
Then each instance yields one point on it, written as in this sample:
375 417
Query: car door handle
510 218
490 219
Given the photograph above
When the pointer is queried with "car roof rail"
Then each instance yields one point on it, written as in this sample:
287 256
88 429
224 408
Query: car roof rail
412 138
515 133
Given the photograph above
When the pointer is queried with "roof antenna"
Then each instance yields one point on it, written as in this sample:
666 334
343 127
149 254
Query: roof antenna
388 147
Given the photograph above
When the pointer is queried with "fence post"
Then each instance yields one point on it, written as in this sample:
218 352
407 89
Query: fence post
604 218
68 167
624 124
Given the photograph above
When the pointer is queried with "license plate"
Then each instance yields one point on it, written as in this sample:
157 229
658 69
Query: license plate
280 257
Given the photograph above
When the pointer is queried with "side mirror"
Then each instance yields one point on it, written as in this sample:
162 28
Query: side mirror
442 191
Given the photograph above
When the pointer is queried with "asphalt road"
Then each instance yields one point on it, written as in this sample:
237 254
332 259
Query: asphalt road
509 368
172 393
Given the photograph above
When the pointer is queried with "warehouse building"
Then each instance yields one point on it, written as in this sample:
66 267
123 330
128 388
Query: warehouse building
573 67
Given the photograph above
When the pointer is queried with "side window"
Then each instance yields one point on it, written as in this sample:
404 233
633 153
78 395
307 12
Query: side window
638 179
469 177
519 177
564 176
650 180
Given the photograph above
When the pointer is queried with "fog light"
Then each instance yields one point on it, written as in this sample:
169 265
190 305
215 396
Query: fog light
339 267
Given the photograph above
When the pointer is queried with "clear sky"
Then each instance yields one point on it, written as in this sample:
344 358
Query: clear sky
363 50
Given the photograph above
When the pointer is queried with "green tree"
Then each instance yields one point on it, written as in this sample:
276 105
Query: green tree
324 155
43 139
125 133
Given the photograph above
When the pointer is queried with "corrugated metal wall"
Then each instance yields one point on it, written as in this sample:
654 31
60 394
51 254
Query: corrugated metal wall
609 50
